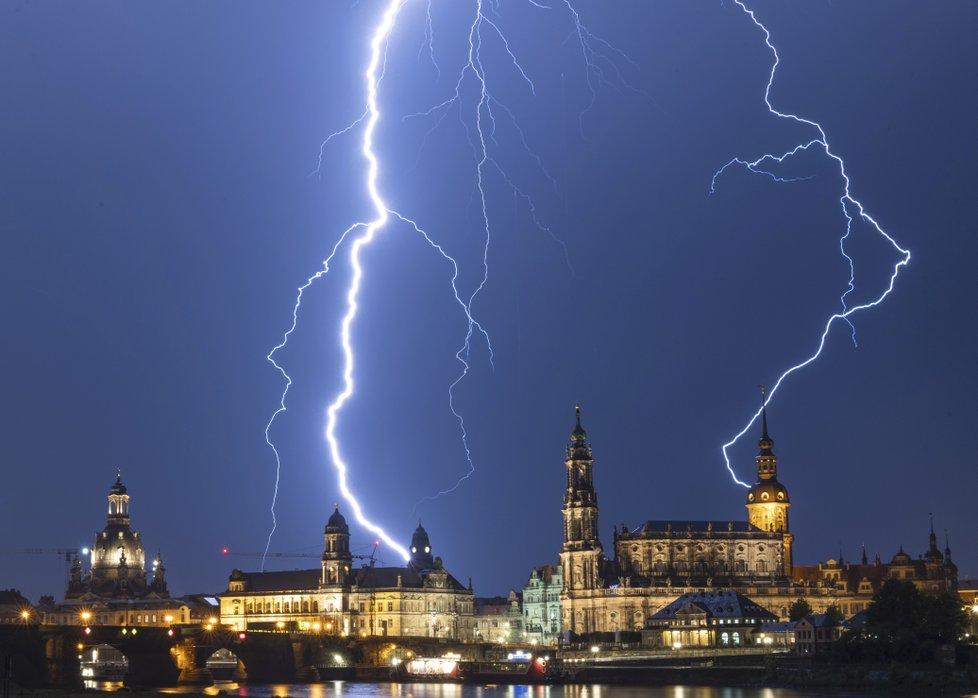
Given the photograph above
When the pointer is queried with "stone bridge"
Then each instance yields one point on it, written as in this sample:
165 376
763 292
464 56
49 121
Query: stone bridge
48 655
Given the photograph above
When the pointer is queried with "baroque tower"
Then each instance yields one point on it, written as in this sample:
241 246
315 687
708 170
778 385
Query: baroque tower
336 550
767 499
581 556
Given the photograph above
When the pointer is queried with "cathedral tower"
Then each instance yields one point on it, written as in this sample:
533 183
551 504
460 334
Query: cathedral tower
767 499
581 556
336 550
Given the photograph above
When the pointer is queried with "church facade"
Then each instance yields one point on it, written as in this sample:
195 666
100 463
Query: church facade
117 589
652 564
420 599
118 563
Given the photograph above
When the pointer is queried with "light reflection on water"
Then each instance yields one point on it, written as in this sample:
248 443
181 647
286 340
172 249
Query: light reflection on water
455 690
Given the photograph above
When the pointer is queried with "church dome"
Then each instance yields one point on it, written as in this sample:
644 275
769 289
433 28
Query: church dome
421 549
118 487
768 491
337 522
901 558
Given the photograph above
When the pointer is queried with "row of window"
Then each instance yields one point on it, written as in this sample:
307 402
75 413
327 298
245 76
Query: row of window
661 567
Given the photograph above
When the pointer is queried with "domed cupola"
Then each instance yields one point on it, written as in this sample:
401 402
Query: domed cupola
118 558
421 557
118 502
337 522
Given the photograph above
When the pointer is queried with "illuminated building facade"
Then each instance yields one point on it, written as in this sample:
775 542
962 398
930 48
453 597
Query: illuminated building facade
420 599
499 619
541 605
707 619
118 559
117 589
657 560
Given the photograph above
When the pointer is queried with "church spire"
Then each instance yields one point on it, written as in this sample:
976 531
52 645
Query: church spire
765 443
578 436
767 462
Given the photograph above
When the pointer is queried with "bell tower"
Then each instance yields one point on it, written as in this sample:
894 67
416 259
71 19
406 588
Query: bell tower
767 499
336 550
581 555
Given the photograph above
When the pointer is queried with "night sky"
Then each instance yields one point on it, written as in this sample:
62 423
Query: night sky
158 213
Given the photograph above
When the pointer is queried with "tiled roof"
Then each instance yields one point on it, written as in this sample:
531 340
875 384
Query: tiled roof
293 580
696 527
716 604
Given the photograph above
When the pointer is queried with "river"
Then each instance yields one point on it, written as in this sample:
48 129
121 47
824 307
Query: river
455 690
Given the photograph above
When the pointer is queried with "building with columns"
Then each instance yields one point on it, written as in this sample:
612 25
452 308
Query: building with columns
420 599
653 563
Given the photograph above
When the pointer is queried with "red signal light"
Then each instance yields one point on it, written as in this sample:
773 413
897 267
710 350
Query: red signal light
225 551
170 632
242 636
88 631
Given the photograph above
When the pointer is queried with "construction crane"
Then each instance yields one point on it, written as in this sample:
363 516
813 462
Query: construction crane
371 558
68 553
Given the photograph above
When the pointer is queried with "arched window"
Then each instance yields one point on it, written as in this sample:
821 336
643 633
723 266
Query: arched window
741 566
736 639
724 639
305 606
250 607
762 566
315 607
278 607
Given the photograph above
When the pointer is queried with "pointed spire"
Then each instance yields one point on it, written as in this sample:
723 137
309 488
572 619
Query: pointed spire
865 559
578 436
766 443
947 546
933 536
764 415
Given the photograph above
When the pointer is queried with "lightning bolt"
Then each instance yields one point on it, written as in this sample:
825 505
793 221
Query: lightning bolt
850 207
481 129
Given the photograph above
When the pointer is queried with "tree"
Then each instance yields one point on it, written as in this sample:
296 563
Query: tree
835 614
906 625
799 609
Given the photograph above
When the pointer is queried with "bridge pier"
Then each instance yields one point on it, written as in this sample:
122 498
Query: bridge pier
61 661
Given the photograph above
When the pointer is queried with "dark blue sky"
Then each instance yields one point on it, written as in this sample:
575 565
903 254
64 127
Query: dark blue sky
157 215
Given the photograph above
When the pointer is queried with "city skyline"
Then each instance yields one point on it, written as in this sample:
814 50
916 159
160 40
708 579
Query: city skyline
160 215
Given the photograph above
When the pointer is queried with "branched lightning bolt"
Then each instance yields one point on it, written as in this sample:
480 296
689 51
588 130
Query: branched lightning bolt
846 202
481 131
363 234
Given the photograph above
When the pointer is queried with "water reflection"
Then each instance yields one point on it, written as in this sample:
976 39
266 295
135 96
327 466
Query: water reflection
456 690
